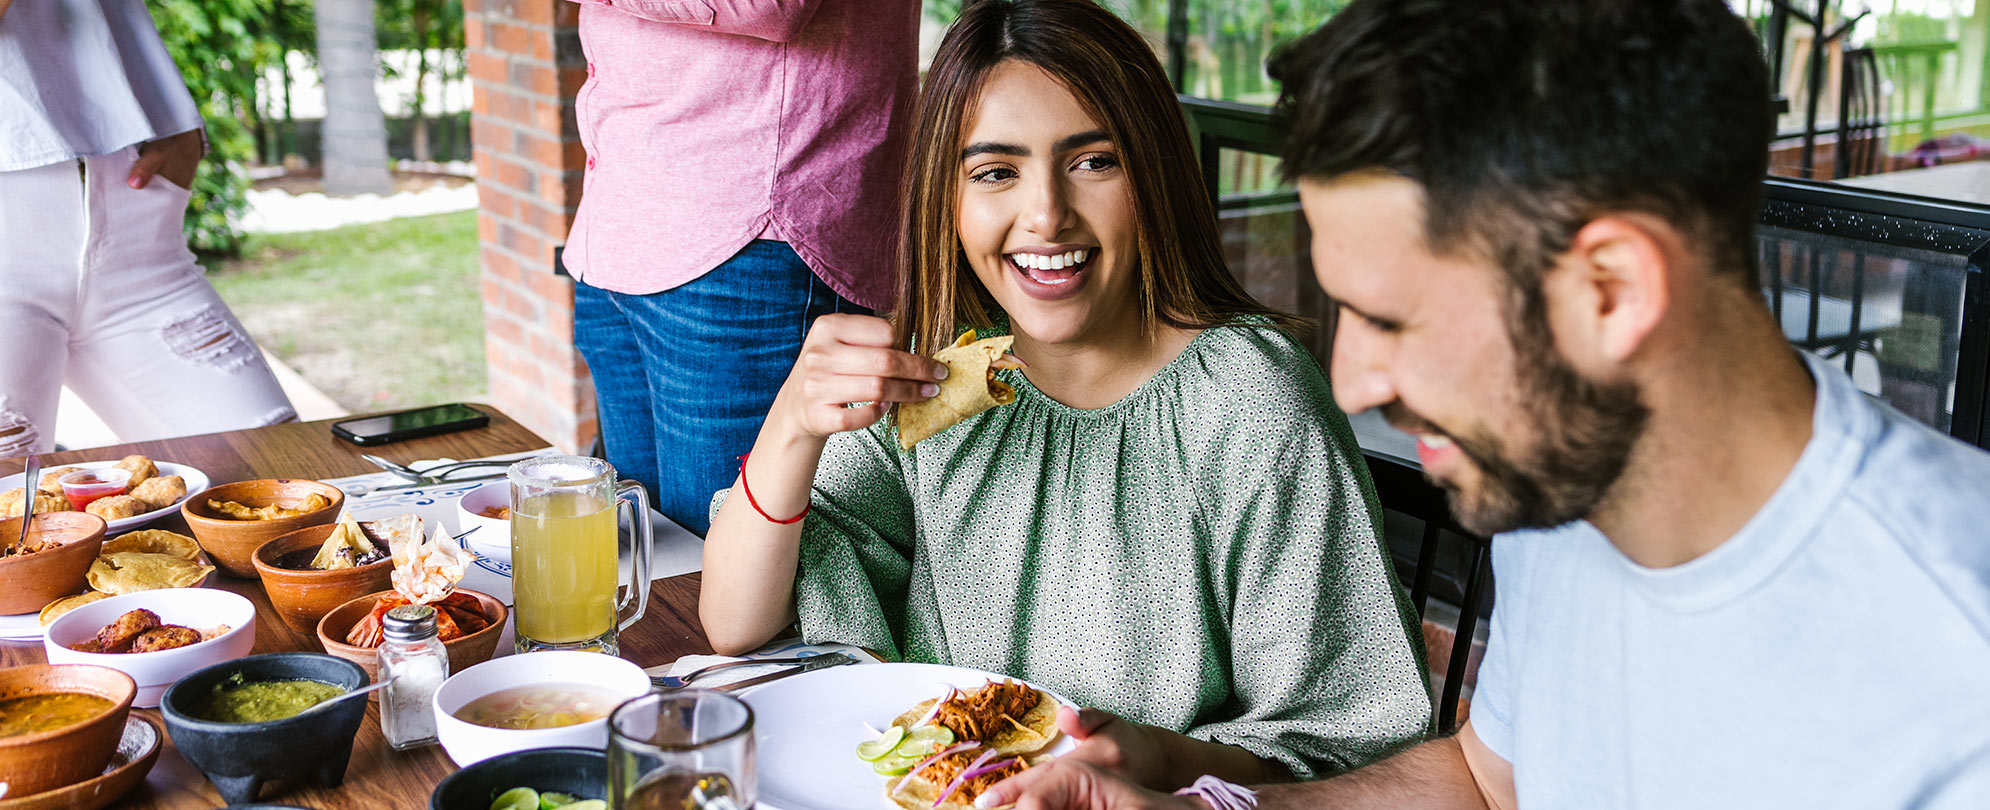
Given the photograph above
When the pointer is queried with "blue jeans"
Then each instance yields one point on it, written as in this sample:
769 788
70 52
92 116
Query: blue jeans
685 376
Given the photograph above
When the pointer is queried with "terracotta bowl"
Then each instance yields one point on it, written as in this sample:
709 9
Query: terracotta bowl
464 652
28 582
32 763
233 543
301 598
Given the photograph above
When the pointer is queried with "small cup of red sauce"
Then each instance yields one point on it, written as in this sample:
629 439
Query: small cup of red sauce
84 486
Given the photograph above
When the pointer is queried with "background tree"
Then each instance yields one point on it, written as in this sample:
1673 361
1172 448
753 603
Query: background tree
432 30
214 43
355 131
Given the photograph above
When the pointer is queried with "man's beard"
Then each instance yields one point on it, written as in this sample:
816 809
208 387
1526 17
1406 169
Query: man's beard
1586 431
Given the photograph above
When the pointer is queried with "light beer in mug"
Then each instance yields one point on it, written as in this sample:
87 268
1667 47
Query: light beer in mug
563 567
565 550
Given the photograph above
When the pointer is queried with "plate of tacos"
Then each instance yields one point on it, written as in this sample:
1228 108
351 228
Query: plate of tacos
911 736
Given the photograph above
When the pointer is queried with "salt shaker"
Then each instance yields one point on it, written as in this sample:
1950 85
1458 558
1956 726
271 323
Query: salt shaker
411 657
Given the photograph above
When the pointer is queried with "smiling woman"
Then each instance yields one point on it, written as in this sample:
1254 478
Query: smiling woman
1168 522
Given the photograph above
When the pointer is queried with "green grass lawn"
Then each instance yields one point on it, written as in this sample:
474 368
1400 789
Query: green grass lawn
379 316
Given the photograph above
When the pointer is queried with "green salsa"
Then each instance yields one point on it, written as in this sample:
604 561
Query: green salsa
234 701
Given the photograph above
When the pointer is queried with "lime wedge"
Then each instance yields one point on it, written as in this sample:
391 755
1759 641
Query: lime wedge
548 801
924 740
894 764
588 804
518 798
882 746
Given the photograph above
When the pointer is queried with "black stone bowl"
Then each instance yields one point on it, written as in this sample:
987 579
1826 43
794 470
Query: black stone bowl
581 772
238 758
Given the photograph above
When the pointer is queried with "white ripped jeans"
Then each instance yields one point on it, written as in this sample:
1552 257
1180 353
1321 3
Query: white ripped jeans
98 291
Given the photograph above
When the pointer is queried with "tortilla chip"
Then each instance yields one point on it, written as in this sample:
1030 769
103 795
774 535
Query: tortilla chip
967 390
348 537
156 541
69 603
134 571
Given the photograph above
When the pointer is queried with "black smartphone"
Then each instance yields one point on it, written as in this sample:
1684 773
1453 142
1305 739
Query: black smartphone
414 424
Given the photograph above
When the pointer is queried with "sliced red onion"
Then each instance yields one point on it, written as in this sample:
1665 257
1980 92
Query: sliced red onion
936 708
962 778
989 768
966 746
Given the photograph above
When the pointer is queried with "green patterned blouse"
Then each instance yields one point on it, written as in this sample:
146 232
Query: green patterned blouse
1203 555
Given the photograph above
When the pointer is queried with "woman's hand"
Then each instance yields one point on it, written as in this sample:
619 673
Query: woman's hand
1157 758
849 359
174 157
1118 746
1068 784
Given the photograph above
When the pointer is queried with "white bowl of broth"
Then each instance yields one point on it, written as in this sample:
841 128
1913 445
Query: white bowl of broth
533 700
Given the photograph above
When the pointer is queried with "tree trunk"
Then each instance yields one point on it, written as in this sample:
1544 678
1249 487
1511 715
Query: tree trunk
355 132
421 83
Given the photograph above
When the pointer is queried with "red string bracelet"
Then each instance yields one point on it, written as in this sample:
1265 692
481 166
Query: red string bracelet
756 504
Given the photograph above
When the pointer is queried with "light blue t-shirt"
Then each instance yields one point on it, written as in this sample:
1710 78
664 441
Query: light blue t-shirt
1835 653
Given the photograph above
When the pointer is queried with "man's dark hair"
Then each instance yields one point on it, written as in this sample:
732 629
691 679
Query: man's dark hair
1525 119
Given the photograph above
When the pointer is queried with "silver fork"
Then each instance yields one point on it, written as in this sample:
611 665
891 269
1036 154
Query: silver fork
681 681
437 474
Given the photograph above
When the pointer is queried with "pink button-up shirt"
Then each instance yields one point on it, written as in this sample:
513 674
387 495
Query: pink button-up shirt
712 123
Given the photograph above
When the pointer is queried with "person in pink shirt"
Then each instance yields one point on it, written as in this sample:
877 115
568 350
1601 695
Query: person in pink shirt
743 161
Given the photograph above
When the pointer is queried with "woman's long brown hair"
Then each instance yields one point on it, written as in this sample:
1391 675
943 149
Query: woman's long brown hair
1183 279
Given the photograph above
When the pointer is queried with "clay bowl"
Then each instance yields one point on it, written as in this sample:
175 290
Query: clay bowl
239 757
232 543
301 598
28 582
464 652
32 763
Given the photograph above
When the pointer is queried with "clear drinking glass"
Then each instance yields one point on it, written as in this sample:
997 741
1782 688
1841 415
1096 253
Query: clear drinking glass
691 749
567 555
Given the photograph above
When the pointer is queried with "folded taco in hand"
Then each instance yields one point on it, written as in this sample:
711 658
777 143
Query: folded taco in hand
970 387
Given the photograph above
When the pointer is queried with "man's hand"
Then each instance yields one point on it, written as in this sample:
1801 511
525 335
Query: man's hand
1067 783
175 157
1118 746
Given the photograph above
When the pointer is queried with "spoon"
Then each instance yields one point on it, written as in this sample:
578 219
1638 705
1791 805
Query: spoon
332 700
29 481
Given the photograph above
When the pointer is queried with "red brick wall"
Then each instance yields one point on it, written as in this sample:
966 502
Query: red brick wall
525 67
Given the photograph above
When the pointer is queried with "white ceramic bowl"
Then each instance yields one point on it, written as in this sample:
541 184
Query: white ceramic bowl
493 538
198 608
468 743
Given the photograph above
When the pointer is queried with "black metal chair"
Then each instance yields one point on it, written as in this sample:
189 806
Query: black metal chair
1402 489
1861 147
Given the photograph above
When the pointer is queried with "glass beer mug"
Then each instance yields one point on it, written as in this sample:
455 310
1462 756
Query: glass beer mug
567 556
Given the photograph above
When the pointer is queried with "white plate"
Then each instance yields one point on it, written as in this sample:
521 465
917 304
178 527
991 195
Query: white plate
807 728
196 483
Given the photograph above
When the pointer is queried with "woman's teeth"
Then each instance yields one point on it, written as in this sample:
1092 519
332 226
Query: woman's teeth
1057 268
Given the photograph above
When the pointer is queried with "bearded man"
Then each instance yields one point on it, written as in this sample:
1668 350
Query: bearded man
1725 577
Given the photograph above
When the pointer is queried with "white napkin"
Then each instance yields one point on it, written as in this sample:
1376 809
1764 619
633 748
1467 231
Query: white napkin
778 648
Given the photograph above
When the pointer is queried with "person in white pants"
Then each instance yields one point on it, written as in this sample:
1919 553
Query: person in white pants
99 140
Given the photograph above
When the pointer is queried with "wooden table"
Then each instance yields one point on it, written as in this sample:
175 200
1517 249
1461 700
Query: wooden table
378 776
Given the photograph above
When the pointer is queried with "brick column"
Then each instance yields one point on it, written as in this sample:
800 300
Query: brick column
525 66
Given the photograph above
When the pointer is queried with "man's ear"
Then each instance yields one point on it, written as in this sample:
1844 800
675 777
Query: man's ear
1610 290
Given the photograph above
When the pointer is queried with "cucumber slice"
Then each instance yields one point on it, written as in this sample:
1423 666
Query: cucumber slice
882 746
548 801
